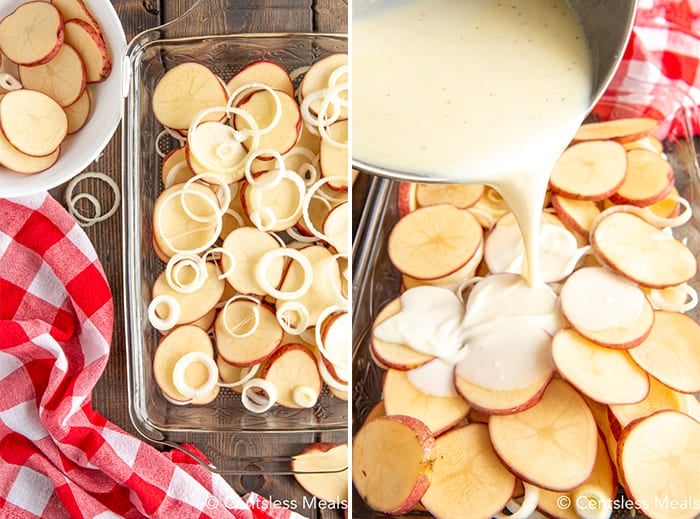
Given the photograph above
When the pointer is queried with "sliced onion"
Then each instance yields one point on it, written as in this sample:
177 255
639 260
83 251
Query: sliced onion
185 362
647 215
272 182
258 217
185 260
528 506
252 371
278 108
337 288
307 201
225 252
301 312
293 254
296 235
329 379
223 204
305 396
170 178
256 316
659 302
591 502
86 221
173 310
215 232
9 82
253 401
278 238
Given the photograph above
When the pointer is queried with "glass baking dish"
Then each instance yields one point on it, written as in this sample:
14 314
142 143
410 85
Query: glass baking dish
148 57
376 282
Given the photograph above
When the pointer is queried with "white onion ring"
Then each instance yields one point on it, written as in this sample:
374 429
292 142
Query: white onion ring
305 396
256 217
659 302
224 251
215 232
329 379
179 374
173 312
338 288
256 316
302 313
297 236
170 178
182 260
307 201
528 506
254 402
86 221
264 263
604 508
280 170
9 82
252 371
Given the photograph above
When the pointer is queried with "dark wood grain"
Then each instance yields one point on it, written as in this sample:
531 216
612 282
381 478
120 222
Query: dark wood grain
110 396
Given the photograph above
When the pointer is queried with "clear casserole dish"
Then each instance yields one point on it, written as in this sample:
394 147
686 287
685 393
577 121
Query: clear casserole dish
376 282
225 420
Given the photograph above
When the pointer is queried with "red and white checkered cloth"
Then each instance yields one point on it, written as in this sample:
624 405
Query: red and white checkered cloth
59 457
660 71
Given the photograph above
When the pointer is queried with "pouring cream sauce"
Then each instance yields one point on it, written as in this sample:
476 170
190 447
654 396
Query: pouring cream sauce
475 91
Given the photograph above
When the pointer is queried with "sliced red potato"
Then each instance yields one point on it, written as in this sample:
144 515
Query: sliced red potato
183 92
32 122
262 71
318 77
395 356
32 34
641 252
228 373
261 106
248 245
591 170
78 113
433 242
318 209
461 196
392 463
376 411
491 401
255 339
193 305
174 168
606 308
87 40
659 458
406 198
402 397
336 226
602 419
596 494
649 179
465 460
648 142
181 341
553 444
174 229
318 470
19 162
333 159
659 397
622 130
577 215
450 281
72 9
274 208
62 77
290 367
606 375
671 352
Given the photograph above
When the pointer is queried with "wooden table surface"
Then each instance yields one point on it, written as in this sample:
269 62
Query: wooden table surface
110 396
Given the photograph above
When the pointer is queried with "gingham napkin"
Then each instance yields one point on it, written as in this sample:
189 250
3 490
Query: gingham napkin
660 71
58 457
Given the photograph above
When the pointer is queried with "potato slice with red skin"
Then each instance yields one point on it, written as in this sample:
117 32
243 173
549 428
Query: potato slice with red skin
32 122
621 130
19 162
604 374
433 242
316 469
262 71
465 460
659 458
317 78
289 367
461 196
577 215
553 444
255 348
336 226
183 92
175 159
648 142
671 352
62 78
649 179
333 159
406 198
490 401
392 355
78 113
88 42
640 251
248 245
589 171
32 34
437 412
173 347
392 463
72 9
261 106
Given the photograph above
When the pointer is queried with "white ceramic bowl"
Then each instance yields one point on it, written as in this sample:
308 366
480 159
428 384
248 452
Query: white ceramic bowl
83 147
